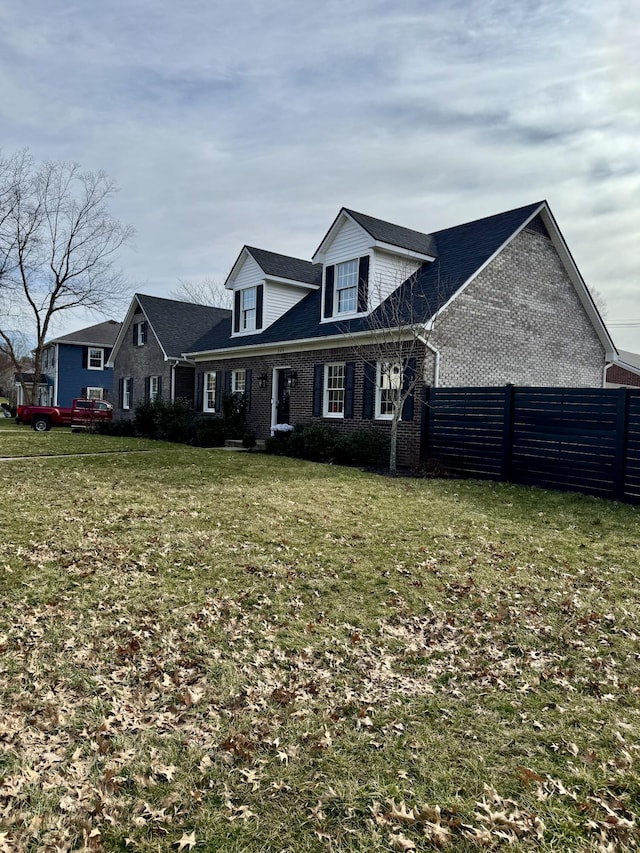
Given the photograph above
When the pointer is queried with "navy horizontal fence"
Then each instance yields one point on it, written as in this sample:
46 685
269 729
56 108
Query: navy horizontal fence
579 439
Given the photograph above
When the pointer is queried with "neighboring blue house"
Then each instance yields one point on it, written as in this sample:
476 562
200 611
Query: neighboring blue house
75 365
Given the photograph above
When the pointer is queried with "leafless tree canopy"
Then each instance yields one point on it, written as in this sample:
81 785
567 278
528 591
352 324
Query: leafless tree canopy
58 244
205 292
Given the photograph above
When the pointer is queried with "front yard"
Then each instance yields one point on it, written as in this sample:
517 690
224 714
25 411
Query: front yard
227 651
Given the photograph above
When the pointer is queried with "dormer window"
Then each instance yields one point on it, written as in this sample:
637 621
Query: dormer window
346 287
247 309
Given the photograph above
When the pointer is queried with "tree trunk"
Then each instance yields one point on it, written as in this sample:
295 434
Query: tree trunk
393 445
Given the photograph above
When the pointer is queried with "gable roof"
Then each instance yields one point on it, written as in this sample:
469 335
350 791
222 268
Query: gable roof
395 235
176 325
461 253
284 266
102 334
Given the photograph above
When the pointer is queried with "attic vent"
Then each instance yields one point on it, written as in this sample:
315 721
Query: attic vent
538 226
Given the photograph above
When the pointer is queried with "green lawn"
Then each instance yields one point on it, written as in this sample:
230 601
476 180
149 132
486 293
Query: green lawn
229 651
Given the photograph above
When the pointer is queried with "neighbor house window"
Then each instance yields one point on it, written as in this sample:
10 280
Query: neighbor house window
154 387
126 392
248 304
334 391
95 393
388 387
209 399
139 334
96 358
238 381
347 287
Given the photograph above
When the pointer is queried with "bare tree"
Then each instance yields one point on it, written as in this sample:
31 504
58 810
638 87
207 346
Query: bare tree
205 292
392 342
58 243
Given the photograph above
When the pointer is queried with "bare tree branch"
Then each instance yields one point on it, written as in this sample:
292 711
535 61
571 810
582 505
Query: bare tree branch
58 242
205 292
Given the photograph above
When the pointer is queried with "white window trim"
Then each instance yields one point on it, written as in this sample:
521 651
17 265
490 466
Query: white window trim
379 416
98 396
153 380
91 366
336 290
253 327
325 391
206 390
126 393
139 333
234 381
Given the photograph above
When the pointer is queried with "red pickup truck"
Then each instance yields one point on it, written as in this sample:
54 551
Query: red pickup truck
83 414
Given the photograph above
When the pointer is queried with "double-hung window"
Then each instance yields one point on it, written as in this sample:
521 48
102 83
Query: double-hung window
238 381
334 391
127 383
347 287
154 387
95 359
248 305
209 392
95 393
388 387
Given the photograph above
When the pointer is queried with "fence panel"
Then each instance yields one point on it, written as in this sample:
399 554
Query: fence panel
582 439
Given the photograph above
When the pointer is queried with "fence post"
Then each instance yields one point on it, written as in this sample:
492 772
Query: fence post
507 433
622 425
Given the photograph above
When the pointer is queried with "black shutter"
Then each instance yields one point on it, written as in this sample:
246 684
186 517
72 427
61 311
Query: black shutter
217 401
227 382
159 387
259 303
121 393
349 384
318 374
236 311
83 392
368 390
147 385
131 393
363 283
328 291
135 334
247 386
199 392
144 333
85 357
408 377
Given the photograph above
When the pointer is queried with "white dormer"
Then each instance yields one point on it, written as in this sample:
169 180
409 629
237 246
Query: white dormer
265 286
361 268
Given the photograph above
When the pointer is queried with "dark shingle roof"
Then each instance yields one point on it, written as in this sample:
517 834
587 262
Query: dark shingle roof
461 252
396 235
284 266
103 334
177 325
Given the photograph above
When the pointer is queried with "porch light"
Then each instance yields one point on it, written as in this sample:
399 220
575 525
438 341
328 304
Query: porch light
293 379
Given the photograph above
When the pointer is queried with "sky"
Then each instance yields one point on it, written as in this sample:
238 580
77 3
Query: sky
247 122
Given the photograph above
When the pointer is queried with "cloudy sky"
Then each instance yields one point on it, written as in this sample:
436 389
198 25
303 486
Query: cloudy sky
248 121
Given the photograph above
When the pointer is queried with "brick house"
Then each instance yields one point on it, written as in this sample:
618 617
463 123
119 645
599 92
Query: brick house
625 371
500 301
147 356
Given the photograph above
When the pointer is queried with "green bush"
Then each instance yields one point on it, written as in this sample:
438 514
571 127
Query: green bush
363 447
323 443
234 413
120 428
208 432
164 420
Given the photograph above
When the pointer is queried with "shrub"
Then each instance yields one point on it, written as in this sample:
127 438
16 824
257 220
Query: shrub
164 420
208 432
363 447
119 429
316 442
234 412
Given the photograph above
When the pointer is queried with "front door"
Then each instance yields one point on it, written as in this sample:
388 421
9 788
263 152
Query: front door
282 401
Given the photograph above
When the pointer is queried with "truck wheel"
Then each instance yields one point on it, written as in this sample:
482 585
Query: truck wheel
41 424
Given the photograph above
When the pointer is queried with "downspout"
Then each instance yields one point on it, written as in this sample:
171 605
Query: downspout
436 352
173 381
